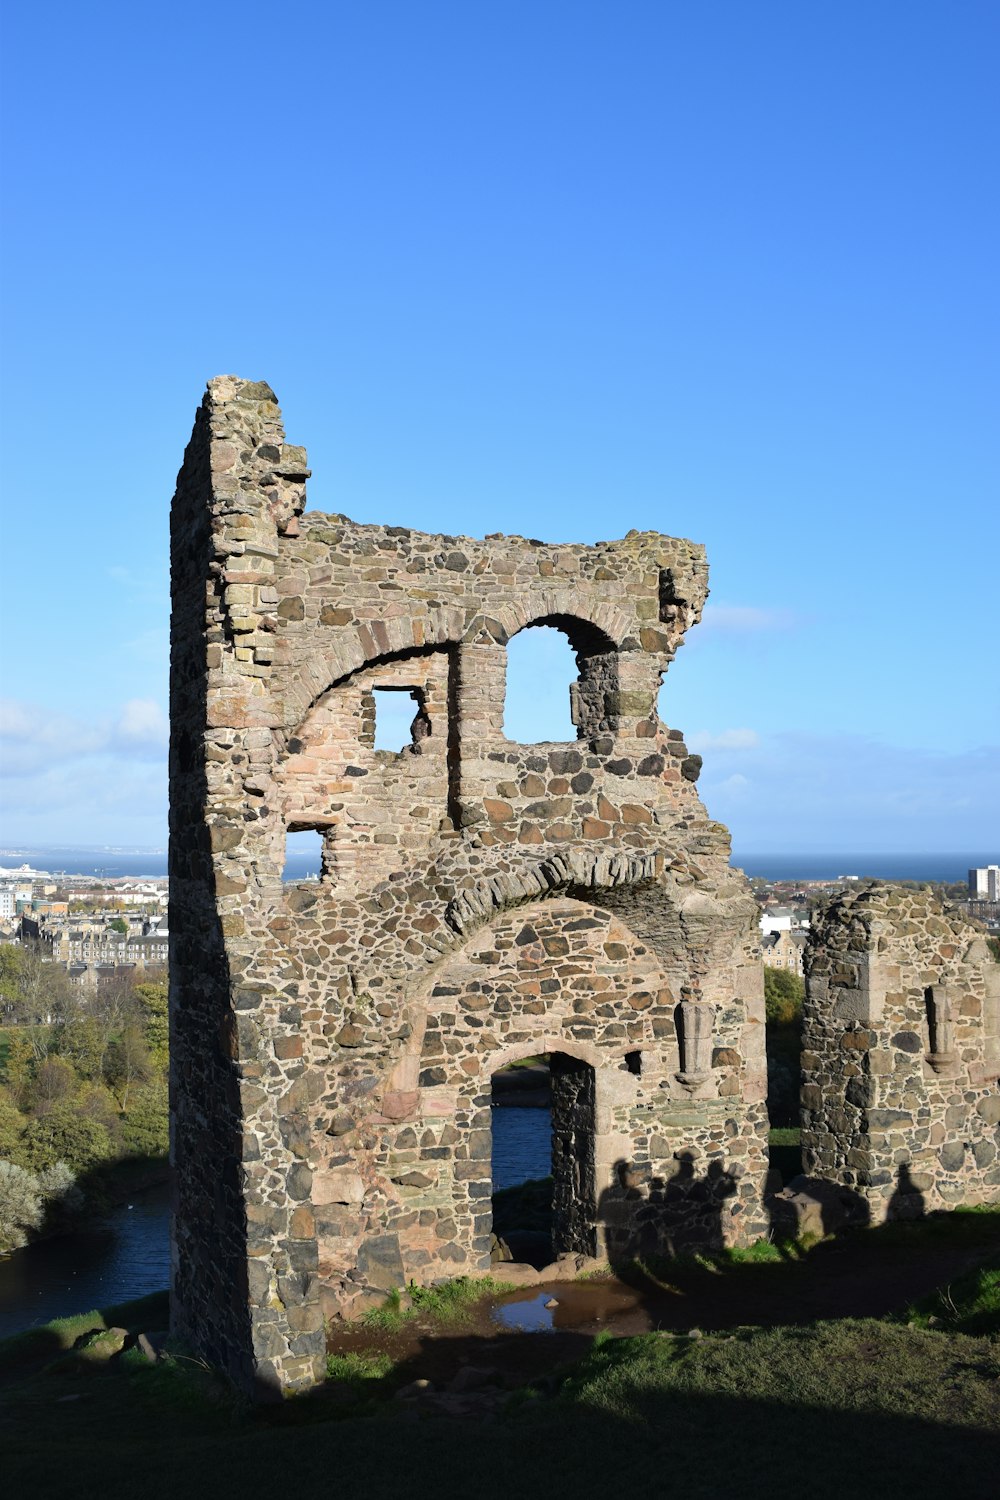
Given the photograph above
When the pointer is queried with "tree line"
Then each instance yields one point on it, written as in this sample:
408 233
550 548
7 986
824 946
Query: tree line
83 1083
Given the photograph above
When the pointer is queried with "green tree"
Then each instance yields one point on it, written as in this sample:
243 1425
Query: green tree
97 1102
144 1128
784 994
84 1042
19 1067
12 1126
129 1063
20 1205
35 991
152 998
10 979
55 1081
118 924
65 1135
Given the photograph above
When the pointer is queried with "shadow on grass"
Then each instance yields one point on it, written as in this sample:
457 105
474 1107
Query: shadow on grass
865 1409
858 1406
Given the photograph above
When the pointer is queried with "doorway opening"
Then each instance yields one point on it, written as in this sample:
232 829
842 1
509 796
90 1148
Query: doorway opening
544 1181
784 993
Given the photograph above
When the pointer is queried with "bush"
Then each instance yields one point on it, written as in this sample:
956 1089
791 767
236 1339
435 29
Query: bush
12 1124
63 1199
20 1205
64 1135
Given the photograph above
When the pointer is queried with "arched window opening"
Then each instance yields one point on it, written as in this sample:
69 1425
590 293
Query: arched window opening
562 682
303 854
401 719
541 676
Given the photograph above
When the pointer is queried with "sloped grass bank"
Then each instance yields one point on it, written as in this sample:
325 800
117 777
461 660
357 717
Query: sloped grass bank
906 1405
860 1408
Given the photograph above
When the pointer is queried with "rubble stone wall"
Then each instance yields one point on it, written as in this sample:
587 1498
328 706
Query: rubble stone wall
481 901
901 1054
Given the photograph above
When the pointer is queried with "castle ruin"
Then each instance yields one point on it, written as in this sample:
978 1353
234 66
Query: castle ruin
481 901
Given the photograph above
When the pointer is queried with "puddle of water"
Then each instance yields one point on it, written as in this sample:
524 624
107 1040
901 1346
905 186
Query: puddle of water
579 1305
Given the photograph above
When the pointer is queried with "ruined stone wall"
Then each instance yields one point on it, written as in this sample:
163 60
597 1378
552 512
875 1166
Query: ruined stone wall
481 901
901 1054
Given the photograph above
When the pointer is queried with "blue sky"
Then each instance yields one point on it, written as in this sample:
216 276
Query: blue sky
727 271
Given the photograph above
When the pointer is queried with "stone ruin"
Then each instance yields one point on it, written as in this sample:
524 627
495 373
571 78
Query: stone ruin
900 1055
480 902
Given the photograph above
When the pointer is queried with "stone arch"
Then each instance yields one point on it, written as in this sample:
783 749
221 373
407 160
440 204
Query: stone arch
360 662
552 607
376 807
561 976
575 869
418 1066
366 644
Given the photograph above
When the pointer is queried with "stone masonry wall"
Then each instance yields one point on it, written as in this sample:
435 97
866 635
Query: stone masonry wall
481 901
901 1054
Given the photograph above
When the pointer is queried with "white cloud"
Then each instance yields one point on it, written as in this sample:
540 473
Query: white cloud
31 736
798 791
66 779
744 619
728 739
142 722
35 739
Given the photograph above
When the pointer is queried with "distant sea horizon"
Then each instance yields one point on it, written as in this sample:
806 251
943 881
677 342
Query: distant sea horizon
121 861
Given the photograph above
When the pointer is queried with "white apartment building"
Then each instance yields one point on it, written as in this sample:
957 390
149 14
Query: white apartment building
984 884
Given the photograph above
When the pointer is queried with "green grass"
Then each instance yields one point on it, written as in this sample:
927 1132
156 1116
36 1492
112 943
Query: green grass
870 1408
357 1370
970 1304
527 1205
849 1366
452 1303
60 1335
860 1406
785 1150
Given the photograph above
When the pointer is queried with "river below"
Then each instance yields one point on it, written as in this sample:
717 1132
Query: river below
127 1254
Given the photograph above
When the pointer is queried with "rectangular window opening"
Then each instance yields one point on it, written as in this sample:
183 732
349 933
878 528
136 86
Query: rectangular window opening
303 854
400 718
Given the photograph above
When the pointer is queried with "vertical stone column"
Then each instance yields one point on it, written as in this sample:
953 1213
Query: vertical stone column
574 1126
243 1285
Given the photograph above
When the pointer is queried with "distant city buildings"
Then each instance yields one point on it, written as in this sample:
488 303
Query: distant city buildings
984 884
75 922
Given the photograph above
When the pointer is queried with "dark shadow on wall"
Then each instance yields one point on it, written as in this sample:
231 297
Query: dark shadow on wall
649 1218
210 1304
907 1201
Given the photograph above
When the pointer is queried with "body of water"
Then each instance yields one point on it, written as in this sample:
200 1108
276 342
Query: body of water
126 1255
522 1145
115 863
945 868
